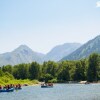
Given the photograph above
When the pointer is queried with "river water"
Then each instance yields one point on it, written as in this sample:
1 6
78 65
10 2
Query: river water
58 92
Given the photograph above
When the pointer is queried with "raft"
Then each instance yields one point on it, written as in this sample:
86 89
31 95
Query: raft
46 86
7 90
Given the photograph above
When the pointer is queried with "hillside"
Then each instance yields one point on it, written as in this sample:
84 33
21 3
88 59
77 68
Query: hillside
85 50
60 51
22 54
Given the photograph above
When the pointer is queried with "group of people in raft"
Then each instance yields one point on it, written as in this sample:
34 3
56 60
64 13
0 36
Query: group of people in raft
7 87
47 84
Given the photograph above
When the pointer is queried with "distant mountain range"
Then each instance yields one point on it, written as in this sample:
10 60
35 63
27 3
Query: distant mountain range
60 51
23 54
67 51
85 50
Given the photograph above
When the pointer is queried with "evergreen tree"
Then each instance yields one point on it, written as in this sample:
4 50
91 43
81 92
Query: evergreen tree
79 72
34 70
64 75
93 65
1 72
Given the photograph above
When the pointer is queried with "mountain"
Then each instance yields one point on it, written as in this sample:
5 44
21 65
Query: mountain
22 54
85 50
60 51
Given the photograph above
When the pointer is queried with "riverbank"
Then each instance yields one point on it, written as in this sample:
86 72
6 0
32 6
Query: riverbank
26 82
86 82
5 80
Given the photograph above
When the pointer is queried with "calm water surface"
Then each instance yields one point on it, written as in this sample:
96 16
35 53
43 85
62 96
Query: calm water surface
58 92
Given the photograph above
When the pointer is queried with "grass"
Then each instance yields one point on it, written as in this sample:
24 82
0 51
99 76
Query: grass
4 81
9 79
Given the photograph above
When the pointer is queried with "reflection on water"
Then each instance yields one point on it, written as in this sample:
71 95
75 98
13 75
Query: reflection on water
58 92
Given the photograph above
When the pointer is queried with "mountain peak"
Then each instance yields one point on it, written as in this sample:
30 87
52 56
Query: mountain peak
23 48
22 54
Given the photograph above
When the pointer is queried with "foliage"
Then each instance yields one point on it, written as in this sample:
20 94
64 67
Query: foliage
80 70
53 81
34 70
7 68
93 67
63 75
21 71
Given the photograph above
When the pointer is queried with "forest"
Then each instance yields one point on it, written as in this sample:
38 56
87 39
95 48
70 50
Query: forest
56 72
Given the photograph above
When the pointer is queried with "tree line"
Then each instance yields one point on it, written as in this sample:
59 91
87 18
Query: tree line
64 71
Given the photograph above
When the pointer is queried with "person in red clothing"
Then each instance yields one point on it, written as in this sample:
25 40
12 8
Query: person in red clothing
0 87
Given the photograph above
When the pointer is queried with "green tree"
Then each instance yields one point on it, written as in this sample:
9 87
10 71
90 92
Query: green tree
48 77
63 74
79 72
93 66
7 68
44 68
1 72
51 68
34 70
21 71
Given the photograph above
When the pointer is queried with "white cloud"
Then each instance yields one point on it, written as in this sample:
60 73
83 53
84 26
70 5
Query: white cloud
98 4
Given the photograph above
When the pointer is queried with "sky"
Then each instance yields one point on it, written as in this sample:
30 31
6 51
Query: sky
43 24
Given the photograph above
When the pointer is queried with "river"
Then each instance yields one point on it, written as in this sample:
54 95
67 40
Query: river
58 92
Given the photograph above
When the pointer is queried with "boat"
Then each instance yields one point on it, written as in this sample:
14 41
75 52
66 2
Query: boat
47 85
7 90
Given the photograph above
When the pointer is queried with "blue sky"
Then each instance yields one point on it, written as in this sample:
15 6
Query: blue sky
43 24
